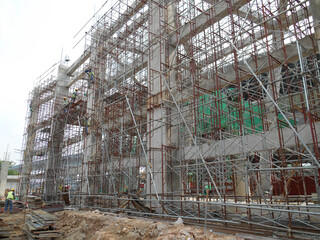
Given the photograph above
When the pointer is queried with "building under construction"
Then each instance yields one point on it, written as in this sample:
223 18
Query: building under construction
207 110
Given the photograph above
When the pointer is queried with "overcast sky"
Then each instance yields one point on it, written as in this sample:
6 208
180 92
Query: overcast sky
32 36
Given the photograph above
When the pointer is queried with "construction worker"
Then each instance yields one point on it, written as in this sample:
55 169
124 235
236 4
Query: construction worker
90 74
208 189
9 198
65 103
74 95
125 189
31 108
86 125
65 195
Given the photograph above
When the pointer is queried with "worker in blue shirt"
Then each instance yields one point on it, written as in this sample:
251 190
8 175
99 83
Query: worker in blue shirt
90 74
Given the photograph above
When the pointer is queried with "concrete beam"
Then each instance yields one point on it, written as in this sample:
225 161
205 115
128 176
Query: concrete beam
42 124
125 46
127 119
78 62
135 7
207 19
251 143
136 66
136 24
278 57
81 75
123 19
46 99
258 35
255 18
46 88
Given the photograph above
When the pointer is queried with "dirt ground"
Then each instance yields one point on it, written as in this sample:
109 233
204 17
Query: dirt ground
14 222
92 225
95 225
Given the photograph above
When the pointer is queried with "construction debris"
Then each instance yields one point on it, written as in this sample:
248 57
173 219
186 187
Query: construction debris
179 221
41 224
34 202
52 207
137 203
5 229
11 226
91 225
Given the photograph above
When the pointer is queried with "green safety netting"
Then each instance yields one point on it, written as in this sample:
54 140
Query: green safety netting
219 109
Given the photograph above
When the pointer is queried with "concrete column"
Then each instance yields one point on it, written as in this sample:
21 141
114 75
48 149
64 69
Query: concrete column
163 131
29 151
3 177
265 184
56 135
240 185
271 117
157 129
174 181
93 111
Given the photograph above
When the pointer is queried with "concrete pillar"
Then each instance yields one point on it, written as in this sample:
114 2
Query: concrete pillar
94 109
29 150
90 140
3 177
315 11
174 178
163 132
56 135
265 159
240 185
157 129
271 117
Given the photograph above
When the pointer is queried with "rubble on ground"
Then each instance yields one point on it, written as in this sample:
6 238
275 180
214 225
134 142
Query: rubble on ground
97 225
78 225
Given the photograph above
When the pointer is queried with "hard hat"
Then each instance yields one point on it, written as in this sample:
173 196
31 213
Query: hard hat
12 189
64 98
76 89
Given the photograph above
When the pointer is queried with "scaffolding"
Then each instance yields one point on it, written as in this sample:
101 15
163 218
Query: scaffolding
207 110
